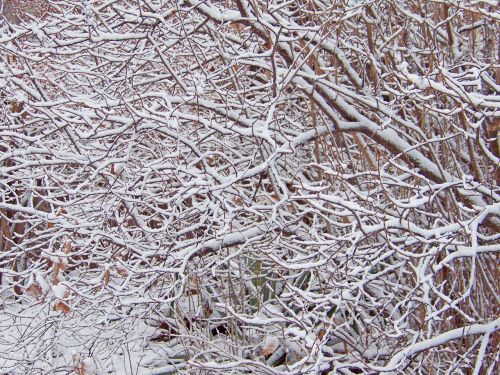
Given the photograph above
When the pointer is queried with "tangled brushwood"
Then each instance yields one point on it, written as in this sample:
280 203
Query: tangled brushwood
249 186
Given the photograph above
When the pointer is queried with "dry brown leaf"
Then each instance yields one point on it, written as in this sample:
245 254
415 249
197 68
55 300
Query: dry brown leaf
67 247
62 306
55 279
76 361
237 26
207 310
268 350
34 290
269 346
105 278
121 271
16 107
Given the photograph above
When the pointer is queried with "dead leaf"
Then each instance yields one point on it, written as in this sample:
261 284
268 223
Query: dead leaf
271 344
62 306
207 310
76 361
105 278
55 279
34 290
122 271
67 247
267 350
16 107
237 26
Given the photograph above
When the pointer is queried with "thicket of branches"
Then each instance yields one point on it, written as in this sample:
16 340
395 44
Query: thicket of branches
272 187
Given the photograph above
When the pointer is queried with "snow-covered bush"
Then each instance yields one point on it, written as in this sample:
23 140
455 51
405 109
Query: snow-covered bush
272 187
